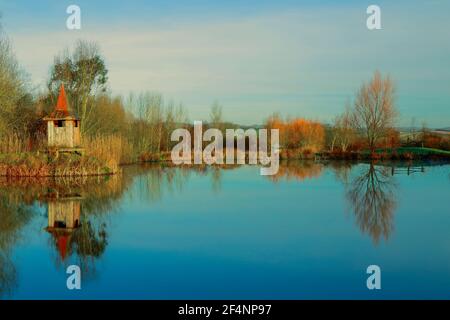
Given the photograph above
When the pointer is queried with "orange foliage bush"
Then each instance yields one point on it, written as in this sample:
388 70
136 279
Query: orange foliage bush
436 141
299 133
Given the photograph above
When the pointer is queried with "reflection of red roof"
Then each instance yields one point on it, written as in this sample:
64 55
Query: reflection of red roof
61 238
62 241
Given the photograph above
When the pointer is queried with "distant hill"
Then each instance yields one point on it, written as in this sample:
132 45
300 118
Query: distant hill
417 129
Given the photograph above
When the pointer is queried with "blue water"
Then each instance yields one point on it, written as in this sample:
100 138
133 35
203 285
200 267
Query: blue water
233 234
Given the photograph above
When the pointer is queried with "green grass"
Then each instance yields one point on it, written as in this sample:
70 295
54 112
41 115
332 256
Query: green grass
417 151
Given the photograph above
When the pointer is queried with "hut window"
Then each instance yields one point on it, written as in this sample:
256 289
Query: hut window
59 123
60 224
76 124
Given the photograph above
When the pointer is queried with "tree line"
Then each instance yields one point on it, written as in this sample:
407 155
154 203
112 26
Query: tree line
139 126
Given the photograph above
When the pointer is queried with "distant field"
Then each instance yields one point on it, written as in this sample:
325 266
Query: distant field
405 134
441 132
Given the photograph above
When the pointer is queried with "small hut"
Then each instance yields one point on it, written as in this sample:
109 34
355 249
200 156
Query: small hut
63 129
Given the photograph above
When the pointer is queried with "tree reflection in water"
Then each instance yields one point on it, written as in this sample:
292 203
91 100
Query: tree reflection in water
77 213
342 170
371 196
78 210
297 170
13 217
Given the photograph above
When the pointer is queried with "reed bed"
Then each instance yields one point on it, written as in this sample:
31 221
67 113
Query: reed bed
12 143
114 150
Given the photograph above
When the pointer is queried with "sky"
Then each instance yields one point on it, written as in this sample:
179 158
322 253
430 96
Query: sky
297 58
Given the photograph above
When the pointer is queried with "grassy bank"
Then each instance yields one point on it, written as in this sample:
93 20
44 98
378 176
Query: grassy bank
401 153
42 165
104 157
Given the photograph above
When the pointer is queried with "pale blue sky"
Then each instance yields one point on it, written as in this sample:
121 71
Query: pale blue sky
300 58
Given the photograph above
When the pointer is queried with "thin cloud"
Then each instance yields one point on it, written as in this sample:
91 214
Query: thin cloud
277 61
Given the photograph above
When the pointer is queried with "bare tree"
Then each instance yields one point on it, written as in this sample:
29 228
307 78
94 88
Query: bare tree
413 129
215 116
181 116
151 111
343 132
169 124
154 121
12 87
374 110
424 133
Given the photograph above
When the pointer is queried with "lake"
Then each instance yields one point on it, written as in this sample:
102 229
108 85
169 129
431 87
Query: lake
155 232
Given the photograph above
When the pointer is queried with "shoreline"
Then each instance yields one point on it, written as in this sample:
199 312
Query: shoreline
38 166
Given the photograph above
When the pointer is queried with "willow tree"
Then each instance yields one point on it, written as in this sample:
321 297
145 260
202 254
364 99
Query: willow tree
374 110
84 75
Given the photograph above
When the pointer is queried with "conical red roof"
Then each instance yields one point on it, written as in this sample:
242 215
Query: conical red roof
61 104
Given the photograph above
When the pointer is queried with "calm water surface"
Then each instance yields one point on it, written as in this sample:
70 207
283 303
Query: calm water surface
172 233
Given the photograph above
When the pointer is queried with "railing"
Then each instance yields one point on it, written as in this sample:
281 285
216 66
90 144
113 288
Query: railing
407 170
